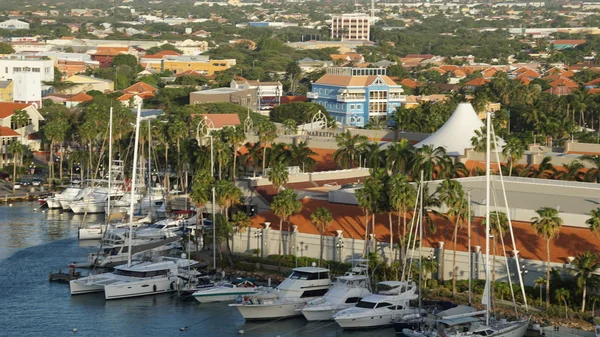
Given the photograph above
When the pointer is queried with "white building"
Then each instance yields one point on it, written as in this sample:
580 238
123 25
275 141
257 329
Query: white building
351 27
268 93
29 76
14 24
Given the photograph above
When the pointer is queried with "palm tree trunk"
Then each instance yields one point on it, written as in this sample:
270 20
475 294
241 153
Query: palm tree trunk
289 237
234 162
14 171
374 242
510 167
321 250
51 160
391 238
548 274
455 238
264 159
90 158
62 155
366 233
583 297
280 236
167 178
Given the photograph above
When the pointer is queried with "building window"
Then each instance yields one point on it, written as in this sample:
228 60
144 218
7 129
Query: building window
359 106
351 106
379 94
16 70
378 108
35 70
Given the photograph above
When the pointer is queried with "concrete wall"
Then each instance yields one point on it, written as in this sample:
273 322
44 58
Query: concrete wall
316 176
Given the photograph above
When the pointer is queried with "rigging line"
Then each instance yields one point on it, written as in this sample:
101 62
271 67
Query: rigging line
96 173
412 222
205 319
512 236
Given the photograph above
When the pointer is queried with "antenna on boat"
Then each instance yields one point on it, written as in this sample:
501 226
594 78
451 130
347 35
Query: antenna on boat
135 154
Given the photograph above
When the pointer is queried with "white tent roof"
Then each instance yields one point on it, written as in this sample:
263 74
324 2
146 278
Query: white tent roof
455 135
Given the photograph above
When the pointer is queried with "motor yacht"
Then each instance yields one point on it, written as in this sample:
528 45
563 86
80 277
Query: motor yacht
346 292
229 291
303 285
379 309
136 279
69 193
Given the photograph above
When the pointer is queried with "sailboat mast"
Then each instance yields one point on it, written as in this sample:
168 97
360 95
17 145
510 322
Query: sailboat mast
110 121
149 169
487 219
421 245
133 179
469 244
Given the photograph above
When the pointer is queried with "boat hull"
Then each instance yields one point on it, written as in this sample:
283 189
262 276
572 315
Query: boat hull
90 233
53 203
212 296
370 321
518 329
80 286
269 311
80 208
141 288
319 314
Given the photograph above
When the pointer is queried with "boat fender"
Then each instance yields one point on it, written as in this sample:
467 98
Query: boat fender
173 285
154 287
238 300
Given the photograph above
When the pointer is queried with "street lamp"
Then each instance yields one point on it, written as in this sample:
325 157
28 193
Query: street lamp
258 235
339 246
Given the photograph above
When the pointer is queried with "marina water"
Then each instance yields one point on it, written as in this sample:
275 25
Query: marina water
35 242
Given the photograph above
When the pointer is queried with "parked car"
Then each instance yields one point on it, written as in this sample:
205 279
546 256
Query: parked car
36 182
25 182
17 186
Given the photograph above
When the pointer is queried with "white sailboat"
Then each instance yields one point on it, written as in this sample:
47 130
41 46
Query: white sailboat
134 279
488 327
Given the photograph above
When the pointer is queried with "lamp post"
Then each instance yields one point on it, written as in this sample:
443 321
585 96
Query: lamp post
340 246
258 235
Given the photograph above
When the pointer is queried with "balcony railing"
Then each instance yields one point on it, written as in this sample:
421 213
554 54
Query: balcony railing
350 98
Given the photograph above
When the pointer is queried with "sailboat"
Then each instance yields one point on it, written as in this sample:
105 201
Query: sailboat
135 279
488 327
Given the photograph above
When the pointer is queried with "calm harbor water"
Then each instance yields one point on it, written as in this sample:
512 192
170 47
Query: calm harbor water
33 243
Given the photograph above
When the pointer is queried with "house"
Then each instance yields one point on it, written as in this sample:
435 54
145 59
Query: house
6 91
132 100
566 44
409 83
564 82
87 83
308 65
8 109
14 25
136 94
347 58
77 99
354 96
28 75
140 88
268 93
7 136
216 122
201 34
179 64
593 83
240 96
105 55
476 83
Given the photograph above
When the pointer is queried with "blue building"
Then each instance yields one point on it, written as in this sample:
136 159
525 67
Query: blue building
354 96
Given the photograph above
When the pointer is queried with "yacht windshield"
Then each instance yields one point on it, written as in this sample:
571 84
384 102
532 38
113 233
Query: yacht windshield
140 274
367 305
300 275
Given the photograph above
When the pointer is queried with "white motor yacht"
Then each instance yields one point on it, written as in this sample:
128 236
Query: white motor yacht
346 292
391 300
68 193
228 291
137 279
303 285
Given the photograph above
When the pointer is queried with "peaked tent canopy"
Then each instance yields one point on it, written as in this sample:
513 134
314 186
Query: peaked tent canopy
455 135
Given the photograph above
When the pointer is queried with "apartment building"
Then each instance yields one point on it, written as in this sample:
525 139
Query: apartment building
351 27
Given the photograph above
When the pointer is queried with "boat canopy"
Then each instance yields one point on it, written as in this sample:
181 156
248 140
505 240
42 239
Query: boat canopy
458 320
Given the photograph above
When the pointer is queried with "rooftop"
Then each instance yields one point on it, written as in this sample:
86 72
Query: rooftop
8 108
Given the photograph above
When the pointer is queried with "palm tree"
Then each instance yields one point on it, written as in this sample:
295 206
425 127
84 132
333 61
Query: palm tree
429 158
429 266
592 174
16 149
547 225
227 195
544 170
240 221
594 299
267 132
513 150
369 198
237 137
540 282
398 156
453 196
563 294
278 176
302 156
594 221
585 265
402 197
498 226
349 148
222 155
20 118
571 171
321 219
284 205
201 192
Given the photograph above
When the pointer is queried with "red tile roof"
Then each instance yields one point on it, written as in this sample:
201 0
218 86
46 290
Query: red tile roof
8 132
8 108
80 97
111 51
594 91
524 80
560 91
222 120
478 82
410 83
290 99
593 82
140 87
161 54
564 82
573 42
351 220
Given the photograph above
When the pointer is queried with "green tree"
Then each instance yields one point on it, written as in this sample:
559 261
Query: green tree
593 174
237 137
227 195
431 160
563 295
284 205
402 197
299 112
278 176
6 48
126 60
302 156
539 283
201 192
266 134
547 225
20 119
321 219
55 130
585 265
16 149
349 148
513 150
594 221
398 156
